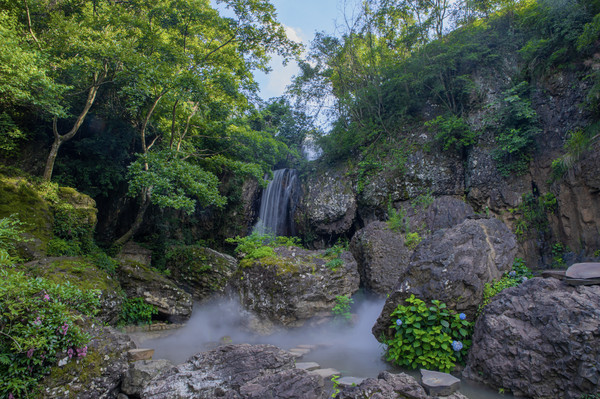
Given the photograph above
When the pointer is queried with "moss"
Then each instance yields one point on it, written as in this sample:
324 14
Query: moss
17 196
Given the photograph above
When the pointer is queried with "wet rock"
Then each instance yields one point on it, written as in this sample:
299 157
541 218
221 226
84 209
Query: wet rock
328 205
139 280
584 270
140 373
539 339
140 354
388 385
236 371
97 375
381 255
439 384
201 271
296 285
134 252
453 267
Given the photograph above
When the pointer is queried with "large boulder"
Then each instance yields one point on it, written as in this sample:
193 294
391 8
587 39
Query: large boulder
139 280
388 385
540 339
328 206
97 375
236 371
453 266
382 254
296 285
140 373
200 271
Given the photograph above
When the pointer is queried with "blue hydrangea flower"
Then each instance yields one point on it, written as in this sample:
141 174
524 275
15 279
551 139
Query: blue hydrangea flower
398 322
457 345
462 316
524 279
512 273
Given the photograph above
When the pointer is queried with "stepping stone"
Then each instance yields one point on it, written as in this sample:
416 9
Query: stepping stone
326 373
140 354
350 381
300 351
439 384
583 270
309 347
309 366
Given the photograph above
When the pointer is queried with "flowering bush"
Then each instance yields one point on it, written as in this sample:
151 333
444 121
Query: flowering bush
519 274
432 337
38 324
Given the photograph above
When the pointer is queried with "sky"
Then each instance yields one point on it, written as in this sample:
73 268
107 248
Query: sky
301 19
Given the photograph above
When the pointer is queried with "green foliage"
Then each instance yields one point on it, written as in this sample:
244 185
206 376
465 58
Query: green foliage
39 322
334 253
398 221
60 247
173 182
366 169
411 240
257 246
558 252
104 262
578 142
432 337
532 213
515 131
336 385
341 310
453 132
11 233
333 264
136 311
516 276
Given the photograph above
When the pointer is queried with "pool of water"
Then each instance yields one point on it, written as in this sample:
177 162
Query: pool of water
352 350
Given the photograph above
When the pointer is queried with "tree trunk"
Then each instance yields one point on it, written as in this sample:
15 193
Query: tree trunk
139 218
51 158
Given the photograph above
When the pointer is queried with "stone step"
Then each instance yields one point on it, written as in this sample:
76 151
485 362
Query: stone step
349 381
309 366
309 347
300 350
140 354
439 384
326 373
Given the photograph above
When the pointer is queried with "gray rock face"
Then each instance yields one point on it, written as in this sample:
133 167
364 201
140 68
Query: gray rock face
329 203
453 267
201 271
140 373
539 339
295 286
439 384
381 255
95 376
139 280
236 371
387 386
584 270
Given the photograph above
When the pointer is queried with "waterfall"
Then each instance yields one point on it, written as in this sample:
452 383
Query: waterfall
278 203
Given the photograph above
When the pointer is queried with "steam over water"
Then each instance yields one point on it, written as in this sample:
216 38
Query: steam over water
351 349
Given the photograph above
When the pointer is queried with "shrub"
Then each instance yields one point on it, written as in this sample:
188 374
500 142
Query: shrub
516 276
11 233
411 240
104 262
341 310
453 132
136 311
39 321
432 337
60 247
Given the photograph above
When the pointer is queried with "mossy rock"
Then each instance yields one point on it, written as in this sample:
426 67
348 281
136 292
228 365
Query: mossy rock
83 274
84 206
96 375
201 271
18 196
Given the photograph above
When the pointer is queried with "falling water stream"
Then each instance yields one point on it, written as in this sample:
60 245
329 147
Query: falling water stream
277 204
353 350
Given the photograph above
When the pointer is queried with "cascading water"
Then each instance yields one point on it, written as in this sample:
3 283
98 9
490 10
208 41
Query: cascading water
278 204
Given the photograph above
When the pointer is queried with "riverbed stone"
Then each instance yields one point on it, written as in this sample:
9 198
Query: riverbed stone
140 373
453 266
388 385
236 372
439 384
295 286
540 339
584 270
309 366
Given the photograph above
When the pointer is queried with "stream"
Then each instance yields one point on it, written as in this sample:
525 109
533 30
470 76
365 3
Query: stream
352 350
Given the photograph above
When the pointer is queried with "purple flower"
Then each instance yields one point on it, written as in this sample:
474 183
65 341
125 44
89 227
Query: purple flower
10 396
398 322
457 345
462 316
70 352
30 353
46 297
37 321
82 352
